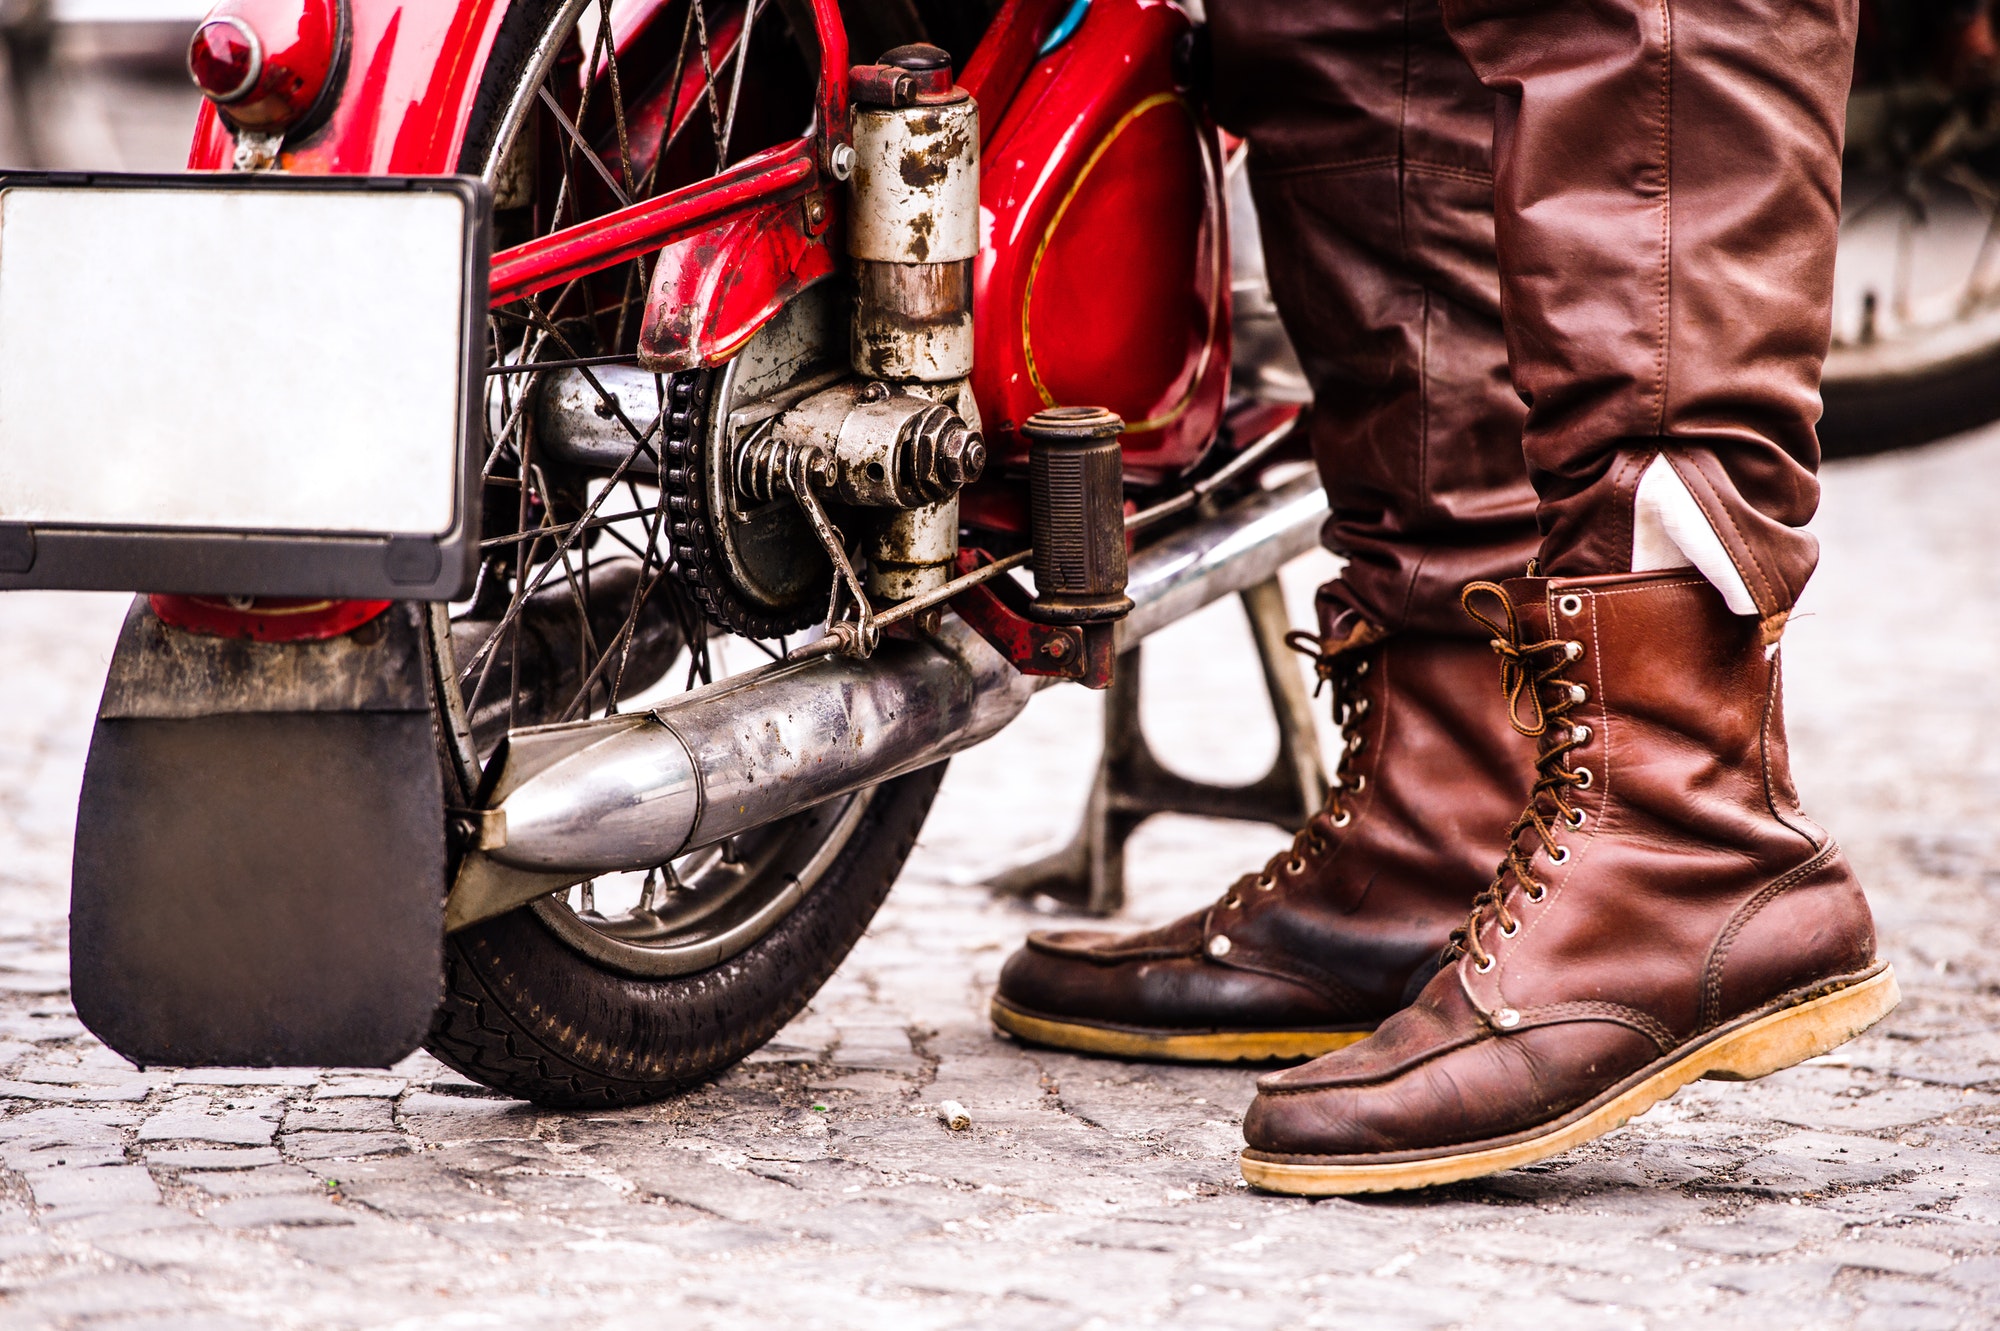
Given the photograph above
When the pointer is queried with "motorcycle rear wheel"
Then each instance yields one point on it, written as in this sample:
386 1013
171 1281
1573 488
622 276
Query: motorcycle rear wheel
557 1002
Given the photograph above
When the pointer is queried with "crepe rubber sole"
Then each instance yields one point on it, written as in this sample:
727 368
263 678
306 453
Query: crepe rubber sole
1170 1046
1754 1046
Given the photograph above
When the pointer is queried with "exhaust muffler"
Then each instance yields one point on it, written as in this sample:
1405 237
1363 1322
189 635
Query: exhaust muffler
577 800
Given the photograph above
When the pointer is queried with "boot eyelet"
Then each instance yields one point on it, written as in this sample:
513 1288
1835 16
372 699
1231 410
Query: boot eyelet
1355 743
1218 946
1578 694
1536 893
1576 820
1561 855
1341 819
1362 668
1583 778
1266 884
1509 933
1570 605
1484 966
1233 902
1361 707
1360 783
1295 866
1580 734
1572 651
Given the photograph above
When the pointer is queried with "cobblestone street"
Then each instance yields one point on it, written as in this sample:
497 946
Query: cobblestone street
816 1186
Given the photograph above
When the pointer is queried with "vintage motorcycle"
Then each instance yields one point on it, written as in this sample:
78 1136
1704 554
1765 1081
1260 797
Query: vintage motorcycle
783 367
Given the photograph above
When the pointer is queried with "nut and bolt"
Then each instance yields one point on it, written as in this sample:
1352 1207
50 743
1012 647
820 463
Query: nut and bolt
961 456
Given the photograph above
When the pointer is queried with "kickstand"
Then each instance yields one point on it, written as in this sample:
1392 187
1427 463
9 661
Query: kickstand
1132 784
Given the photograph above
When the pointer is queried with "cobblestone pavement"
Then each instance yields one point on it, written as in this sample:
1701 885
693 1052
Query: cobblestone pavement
815 1186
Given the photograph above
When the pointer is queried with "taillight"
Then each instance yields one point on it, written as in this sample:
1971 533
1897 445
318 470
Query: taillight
266 64
225 59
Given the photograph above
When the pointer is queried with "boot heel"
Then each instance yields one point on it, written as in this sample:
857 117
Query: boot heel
1788 1038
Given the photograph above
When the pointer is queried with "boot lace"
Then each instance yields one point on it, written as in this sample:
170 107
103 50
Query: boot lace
1343 670
1539 701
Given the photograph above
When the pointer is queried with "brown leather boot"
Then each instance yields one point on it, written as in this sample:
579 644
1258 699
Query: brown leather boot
1664 912
1334 934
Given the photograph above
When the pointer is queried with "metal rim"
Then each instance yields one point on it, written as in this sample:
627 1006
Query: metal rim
1917 290
709 905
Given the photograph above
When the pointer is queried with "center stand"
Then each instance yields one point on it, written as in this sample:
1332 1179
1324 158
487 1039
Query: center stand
1132 784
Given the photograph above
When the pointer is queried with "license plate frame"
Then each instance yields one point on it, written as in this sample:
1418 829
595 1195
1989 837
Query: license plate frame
403 416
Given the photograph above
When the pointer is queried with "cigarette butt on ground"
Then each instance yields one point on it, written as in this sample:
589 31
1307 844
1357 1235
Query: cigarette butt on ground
952 1114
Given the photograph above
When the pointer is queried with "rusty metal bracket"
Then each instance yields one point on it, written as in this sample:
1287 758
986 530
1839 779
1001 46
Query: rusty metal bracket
996 610
1132 784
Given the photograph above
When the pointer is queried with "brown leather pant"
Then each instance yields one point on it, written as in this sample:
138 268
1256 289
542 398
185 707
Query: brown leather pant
1662 179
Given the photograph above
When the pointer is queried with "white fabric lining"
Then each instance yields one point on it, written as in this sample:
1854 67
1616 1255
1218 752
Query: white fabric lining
1669 530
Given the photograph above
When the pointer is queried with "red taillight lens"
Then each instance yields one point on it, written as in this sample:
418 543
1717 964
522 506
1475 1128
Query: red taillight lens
265 63
225 59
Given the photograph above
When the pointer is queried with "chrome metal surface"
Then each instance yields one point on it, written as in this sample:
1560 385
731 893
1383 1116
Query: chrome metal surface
913 231
574 423
634 791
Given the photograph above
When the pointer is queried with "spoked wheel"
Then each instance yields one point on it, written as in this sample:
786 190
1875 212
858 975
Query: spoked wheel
1916 327
607 582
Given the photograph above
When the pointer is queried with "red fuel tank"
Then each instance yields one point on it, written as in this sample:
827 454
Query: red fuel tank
1103 276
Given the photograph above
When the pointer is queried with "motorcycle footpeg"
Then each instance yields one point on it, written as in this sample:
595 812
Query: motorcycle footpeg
260 860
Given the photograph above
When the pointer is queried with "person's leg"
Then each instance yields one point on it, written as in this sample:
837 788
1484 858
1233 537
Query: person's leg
1370 157
1667 197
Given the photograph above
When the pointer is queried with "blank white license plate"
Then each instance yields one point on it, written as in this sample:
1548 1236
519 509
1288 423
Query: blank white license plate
251 385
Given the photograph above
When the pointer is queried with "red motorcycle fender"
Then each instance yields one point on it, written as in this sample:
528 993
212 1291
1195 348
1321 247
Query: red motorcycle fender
713 291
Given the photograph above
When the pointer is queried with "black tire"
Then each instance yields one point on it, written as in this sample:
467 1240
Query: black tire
1874 413
526 1014
529 1014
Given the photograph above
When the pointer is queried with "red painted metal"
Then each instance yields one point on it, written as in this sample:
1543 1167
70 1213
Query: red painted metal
1005 55
833 129
267 618
296 43
1106 281
997 611
413 71
785 172
713 290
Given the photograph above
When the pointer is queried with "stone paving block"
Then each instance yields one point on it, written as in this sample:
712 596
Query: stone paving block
246 1077
25 1157
98 1186
343 1145
104 1295
198 1119
256 1181
1900 1258
1812 1162
263 1212
200 1158
128 1092
335 1088
343 1114
461 1118
90 1223
409 1188
730 1194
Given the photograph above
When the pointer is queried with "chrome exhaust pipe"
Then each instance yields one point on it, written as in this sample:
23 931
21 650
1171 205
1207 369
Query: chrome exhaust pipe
630 792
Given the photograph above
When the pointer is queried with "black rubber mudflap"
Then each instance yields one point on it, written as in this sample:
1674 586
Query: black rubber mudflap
260 862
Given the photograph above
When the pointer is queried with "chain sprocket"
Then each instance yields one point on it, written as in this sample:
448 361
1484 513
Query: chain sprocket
702 560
